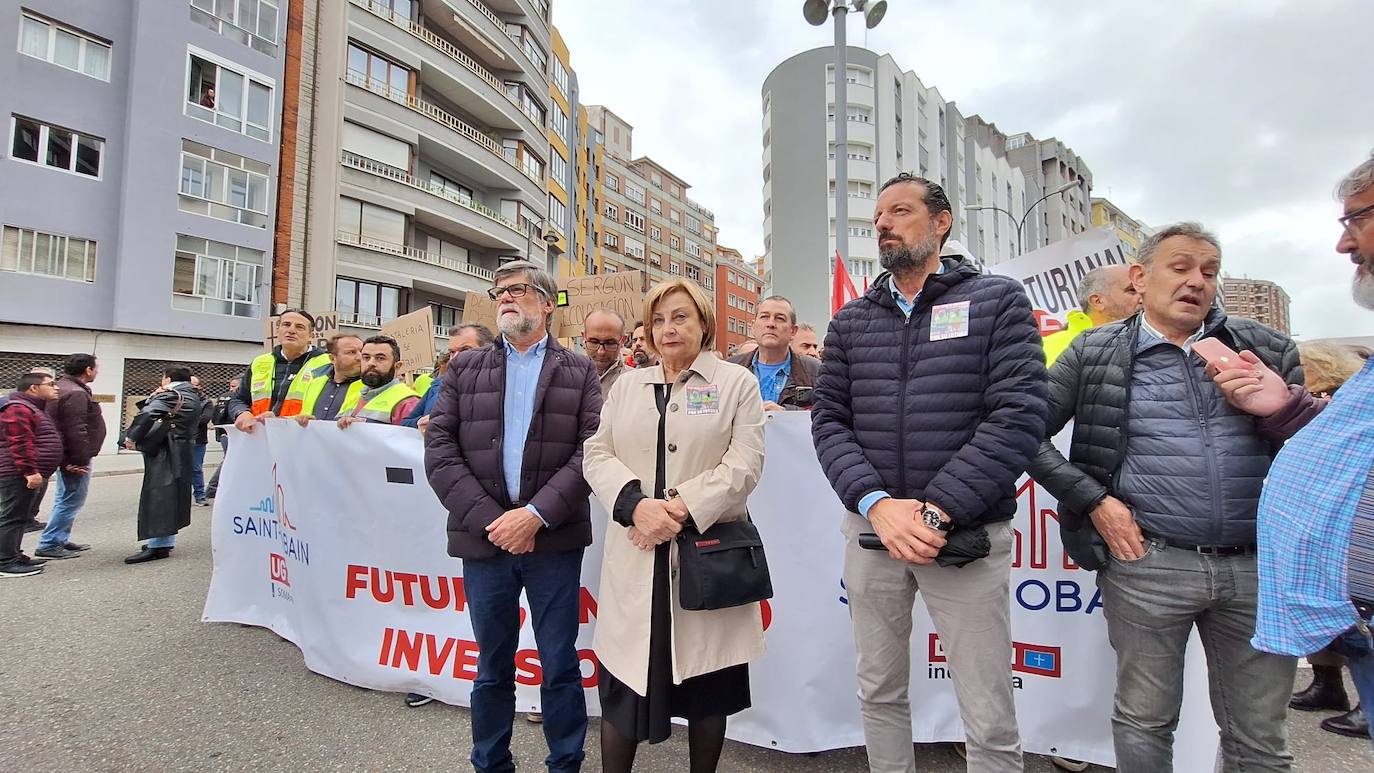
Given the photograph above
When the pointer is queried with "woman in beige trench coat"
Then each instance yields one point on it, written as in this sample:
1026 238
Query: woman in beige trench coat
682 440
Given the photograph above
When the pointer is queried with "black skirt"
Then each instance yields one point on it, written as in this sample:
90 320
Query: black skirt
719 693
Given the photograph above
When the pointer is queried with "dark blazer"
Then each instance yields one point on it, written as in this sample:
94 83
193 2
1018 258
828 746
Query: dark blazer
464 443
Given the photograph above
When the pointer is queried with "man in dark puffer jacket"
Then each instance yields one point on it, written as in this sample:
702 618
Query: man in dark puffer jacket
930 401
1159 495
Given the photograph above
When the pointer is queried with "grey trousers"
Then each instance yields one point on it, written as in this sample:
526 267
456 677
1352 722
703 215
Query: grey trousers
971 609
1151 605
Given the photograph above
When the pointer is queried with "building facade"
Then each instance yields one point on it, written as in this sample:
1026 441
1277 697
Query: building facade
895 123
139 191
645 220
1257 299
1129 231
424 135
738 291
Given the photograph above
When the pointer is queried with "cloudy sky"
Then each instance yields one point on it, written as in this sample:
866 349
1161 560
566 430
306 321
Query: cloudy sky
1242 114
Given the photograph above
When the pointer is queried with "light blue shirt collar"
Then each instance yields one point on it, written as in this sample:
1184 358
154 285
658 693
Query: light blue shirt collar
533 351
901 300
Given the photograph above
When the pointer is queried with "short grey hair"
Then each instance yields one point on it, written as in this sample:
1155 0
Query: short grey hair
805 326
1358 181
484 335
1188 229
1093 283
542 280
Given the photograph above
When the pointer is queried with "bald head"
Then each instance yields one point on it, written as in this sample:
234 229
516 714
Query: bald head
603 333
1107 295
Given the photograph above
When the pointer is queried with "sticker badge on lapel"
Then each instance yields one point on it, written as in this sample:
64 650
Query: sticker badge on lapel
949 320
703 400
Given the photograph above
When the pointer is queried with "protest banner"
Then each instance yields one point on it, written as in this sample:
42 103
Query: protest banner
326 325
1050 275
414 333
354 571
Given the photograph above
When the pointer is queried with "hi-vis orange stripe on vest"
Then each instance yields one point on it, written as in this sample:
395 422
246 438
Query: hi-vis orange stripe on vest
260 386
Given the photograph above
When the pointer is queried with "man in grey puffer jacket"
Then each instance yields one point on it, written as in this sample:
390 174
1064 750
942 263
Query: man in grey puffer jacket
1159 495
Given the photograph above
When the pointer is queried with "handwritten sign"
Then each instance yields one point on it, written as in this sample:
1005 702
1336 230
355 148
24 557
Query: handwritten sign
326 325
414 333
621 292
478 309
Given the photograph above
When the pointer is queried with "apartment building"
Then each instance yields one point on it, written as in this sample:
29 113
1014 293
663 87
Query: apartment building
1258 299
738 291
138 191
1129 231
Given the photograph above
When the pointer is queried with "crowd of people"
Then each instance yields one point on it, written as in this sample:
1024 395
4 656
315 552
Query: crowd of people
1209 483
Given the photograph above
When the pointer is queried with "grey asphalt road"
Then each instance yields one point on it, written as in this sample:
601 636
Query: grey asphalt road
107 667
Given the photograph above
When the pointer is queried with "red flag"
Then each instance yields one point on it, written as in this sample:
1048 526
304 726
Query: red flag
865 285
844 291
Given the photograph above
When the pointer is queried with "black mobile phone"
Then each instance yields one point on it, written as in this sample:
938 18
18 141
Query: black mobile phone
870 541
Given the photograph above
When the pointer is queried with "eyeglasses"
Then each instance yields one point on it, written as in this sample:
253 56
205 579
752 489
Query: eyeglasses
1354 221
516 290
592 343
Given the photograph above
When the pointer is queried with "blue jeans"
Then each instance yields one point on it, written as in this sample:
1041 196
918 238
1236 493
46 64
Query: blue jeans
71 495
198 472
552 584
162 542
1152 605
1359 652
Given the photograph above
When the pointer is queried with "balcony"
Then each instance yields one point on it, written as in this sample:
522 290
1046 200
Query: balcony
450 71
475 25
461 145
446 210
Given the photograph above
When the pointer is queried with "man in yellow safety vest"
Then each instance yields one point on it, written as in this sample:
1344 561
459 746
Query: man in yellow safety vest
385 399
334 389
1105 295
275 382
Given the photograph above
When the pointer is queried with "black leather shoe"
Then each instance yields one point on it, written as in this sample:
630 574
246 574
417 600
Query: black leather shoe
77 546
1326 693
1352 723
35 525
148 554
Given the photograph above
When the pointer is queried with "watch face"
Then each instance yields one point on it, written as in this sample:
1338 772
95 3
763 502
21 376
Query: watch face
931 518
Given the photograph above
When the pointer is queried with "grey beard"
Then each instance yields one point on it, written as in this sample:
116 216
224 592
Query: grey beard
900 260
1362 288
519 327
373 379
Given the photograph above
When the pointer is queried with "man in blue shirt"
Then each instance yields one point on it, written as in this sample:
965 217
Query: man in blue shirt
1316 516
785 378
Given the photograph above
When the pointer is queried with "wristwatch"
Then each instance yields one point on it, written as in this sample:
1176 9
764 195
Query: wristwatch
931 517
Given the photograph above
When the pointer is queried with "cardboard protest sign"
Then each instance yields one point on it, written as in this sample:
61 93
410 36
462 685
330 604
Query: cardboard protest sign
326 325
621 292
414 333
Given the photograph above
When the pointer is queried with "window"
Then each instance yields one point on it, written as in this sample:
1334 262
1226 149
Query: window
558 166
655 259
693 224
710 283
749 307
856 113
612 182
674 216
693 249
525 40
634 248
445 316
560 122
216 278
560 76
377 73
674 241
693 273
64 46
733 279
612 241
634 220
223 185
857 189
52 255
369 223
656 233
251 22
445 186
856 151
634 193
655 206
674 268
521 95
558 214
238 101
612 211
56 147
366 303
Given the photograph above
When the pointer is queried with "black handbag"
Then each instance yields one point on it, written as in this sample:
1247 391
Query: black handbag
156 437
722 567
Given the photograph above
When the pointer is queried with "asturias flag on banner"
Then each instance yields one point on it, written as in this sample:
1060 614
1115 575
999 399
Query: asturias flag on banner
844 291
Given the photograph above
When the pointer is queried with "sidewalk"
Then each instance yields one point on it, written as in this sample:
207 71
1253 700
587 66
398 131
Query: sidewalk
131 462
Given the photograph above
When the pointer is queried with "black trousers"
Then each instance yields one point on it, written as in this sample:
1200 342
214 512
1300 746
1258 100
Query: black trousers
17 502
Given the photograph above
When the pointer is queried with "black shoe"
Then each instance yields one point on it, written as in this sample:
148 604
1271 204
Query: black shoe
58 552
35 525
148 554
415 699
19 569
202 502
1326 693
23 559
77 546
1352 723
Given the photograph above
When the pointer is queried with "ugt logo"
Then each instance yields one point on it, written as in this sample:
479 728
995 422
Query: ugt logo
277 568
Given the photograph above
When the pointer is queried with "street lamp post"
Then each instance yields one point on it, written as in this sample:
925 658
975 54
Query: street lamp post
815 12
1025 216
548 235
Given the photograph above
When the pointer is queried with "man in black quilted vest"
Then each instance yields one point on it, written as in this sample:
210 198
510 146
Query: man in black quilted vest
930 401
1159 496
